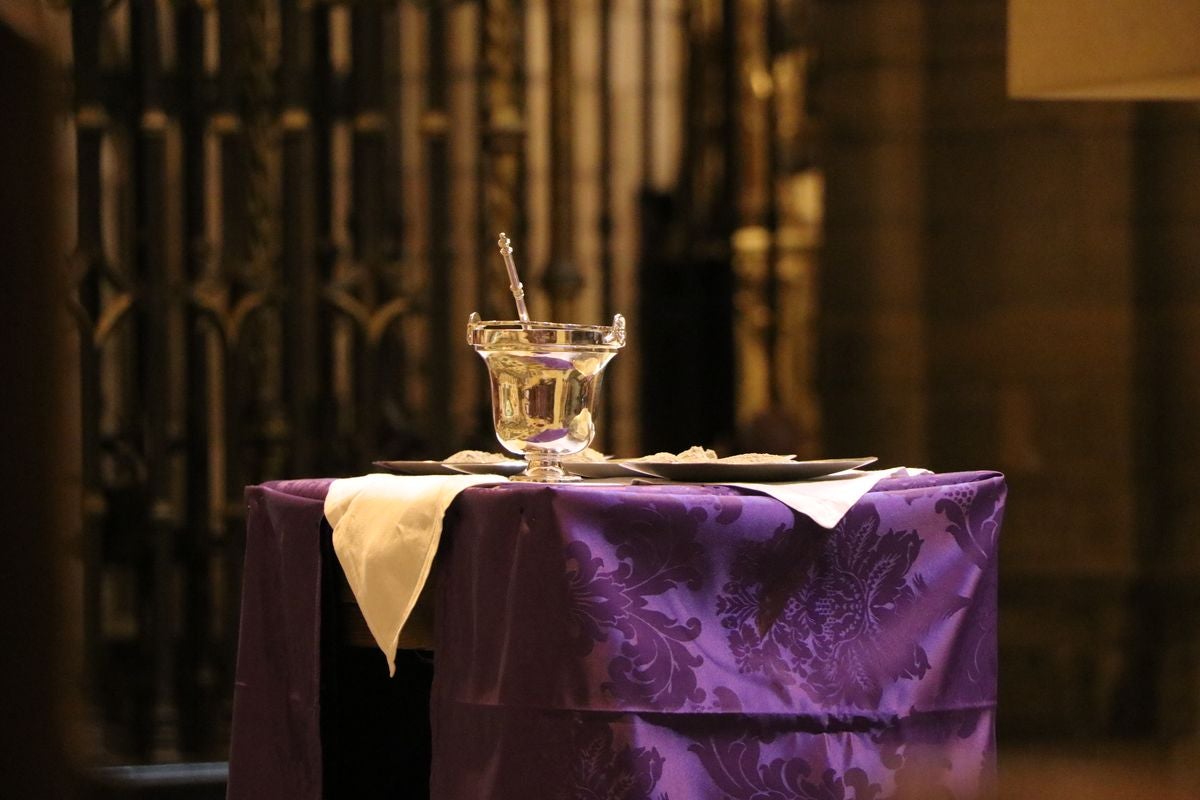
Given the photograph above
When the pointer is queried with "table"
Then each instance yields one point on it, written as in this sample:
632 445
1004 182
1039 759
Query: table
637 642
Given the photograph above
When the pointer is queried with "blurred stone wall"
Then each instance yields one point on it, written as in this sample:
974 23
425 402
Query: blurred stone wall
1014 285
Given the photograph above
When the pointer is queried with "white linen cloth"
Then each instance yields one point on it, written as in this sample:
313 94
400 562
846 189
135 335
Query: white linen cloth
386 530
826 500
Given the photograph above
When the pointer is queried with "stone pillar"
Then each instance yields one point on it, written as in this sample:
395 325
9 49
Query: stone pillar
871 99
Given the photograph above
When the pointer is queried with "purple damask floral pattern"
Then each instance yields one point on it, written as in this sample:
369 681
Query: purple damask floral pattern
736 768
818 609
974 519
654 552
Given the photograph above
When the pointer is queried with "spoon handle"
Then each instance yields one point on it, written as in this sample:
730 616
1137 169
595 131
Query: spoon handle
514 283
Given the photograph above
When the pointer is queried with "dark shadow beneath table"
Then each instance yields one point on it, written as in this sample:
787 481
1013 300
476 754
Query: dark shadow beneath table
375 727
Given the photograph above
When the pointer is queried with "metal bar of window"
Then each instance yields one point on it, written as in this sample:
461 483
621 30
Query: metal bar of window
563 279
200 704
502 101
435 127
298 214
607 169
648 15
91 121
368 156
156 372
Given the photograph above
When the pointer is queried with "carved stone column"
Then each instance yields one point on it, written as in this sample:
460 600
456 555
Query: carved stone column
794 356
562 278
752 241
503 113
752 321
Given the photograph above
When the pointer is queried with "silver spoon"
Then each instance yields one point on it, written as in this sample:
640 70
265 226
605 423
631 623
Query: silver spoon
514 283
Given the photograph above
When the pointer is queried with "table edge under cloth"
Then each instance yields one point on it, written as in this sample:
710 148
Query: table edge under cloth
276 747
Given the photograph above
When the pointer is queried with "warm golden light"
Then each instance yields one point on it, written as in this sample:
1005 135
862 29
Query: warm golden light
1103 49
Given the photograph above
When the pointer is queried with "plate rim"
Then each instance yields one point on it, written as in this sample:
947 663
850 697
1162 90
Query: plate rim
852 463
623 469
506 468
439 467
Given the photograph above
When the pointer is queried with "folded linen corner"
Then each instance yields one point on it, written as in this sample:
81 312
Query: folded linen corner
386 530
826 500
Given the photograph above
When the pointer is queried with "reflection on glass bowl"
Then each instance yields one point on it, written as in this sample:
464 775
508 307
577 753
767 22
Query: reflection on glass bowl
545 382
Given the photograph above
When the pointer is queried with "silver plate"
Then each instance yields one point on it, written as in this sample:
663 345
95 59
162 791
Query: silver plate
766 472
417 467
600 469
493 468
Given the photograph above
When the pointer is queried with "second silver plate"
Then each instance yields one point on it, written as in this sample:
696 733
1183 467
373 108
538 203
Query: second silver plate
766 472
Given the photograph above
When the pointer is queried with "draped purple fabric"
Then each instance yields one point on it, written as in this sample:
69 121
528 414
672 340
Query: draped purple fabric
693 642
275 748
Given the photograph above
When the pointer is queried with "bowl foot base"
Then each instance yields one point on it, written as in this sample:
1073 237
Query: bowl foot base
543 468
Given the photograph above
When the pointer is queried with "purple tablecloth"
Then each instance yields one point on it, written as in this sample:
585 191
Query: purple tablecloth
640 642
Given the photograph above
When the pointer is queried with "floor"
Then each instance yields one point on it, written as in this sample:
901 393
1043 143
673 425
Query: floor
1100 772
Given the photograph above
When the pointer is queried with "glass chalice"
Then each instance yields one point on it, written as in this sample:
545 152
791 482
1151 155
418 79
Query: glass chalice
545 381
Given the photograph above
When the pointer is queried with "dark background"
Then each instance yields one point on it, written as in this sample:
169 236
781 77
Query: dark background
997 284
